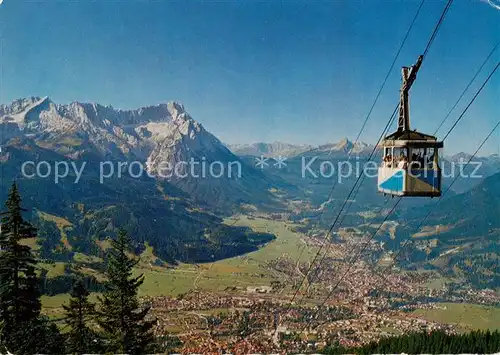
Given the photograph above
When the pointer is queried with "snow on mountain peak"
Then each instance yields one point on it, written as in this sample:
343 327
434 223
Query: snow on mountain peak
176 109
112 131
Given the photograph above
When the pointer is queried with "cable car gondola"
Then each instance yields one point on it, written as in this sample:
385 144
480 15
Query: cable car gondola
410 162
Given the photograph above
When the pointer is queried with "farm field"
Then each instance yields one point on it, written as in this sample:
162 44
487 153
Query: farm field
466 316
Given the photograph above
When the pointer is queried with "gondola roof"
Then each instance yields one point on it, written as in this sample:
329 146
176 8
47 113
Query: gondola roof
414 138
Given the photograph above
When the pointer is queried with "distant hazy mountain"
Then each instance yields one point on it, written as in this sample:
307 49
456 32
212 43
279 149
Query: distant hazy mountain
341 148
480 168
464 157
269 149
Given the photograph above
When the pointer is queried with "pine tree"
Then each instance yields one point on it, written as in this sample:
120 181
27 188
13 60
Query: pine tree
81 339
19 285
23 330
121 316
437 342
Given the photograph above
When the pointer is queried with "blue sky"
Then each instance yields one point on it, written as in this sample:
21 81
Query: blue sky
295 71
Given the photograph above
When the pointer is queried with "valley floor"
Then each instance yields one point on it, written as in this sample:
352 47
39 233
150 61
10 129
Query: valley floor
205 305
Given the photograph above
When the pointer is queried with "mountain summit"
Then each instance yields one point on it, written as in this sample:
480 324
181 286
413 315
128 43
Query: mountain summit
274 149
344 146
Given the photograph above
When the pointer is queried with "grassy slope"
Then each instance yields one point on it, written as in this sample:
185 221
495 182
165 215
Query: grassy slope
467 316
61 223
251 269
243 271
246 270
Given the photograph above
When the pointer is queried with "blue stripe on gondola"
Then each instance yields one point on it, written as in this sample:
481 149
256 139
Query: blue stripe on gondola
394 183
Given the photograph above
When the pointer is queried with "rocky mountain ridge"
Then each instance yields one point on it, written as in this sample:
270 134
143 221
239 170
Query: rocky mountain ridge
158 136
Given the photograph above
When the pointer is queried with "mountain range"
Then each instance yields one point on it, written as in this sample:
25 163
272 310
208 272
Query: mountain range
275 149
161 139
